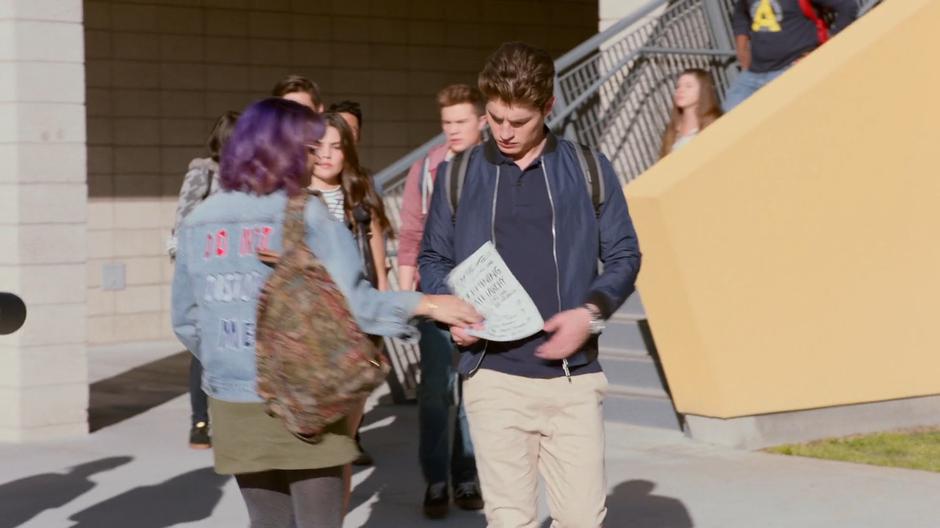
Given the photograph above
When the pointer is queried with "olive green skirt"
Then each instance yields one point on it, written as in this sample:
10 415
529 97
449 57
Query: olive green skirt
246 440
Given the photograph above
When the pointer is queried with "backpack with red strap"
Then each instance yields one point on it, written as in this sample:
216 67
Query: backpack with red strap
822 18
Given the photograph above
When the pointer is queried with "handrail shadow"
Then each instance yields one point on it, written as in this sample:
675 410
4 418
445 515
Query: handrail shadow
138 390
25 498
185 498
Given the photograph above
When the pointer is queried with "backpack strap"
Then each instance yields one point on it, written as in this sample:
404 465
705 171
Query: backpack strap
210 175
294 225
822 28
363 234
455 176
591 169
294 228
590 165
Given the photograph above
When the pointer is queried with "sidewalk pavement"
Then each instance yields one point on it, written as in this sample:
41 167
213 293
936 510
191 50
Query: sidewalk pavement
139 472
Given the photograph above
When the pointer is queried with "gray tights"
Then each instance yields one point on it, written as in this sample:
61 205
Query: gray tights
301 498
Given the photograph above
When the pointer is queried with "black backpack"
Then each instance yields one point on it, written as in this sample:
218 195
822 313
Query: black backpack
588 160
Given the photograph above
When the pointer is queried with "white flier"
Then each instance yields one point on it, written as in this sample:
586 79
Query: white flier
484 281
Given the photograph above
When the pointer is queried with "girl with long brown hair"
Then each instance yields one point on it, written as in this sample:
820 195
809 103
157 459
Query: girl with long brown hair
350 195
695 106
351 198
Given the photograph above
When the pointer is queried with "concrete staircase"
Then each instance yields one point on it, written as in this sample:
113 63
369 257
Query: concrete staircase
638 393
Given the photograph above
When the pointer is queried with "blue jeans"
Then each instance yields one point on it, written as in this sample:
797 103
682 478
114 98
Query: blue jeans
745 84
441 454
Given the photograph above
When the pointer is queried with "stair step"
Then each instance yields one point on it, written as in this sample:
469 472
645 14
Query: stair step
636 394
623 335
635 372
633 305
636 409
623 353
625 317
627 391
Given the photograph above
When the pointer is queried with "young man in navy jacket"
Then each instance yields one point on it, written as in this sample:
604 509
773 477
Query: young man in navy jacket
534 405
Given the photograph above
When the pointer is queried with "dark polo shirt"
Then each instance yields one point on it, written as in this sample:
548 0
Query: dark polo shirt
523 230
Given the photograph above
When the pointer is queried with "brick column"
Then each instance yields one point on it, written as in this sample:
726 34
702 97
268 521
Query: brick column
43 195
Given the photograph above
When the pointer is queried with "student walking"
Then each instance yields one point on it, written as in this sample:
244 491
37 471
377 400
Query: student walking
534 405
350 196
772 35
694 107
444 446
284 480
300 90
200 182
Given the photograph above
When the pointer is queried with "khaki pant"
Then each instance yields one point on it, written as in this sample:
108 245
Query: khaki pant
523 427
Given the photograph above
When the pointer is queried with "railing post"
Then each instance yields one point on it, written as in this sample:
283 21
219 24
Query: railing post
722 34
567 129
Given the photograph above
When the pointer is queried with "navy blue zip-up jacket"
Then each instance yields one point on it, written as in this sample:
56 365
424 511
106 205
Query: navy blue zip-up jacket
581 238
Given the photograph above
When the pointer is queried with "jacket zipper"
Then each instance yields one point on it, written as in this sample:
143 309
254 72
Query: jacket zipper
551 201
493 240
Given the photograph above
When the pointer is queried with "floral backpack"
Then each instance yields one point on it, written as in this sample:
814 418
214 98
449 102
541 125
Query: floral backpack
314 363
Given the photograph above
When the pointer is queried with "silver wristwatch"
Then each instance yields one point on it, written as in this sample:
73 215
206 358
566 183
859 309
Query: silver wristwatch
597 322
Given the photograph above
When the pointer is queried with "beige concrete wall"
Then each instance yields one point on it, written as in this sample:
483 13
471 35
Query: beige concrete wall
43 374
159 71
790 251
610 11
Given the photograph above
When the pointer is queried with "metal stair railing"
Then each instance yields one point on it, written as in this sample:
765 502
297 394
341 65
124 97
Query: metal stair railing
391 178
619 98
604 69
613 92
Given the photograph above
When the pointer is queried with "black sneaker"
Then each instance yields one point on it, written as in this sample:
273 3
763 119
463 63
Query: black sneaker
467 496
436 501
199 436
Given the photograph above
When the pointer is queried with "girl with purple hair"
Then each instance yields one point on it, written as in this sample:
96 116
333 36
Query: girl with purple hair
284 481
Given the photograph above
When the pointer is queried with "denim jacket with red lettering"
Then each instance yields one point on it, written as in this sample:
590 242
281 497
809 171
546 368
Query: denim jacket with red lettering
218 279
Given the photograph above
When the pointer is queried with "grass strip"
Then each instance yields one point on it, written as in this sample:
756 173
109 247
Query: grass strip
910 449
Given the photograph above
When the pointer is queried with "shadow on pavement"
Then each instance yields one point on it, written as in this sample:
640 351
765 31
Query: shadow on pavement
395 486
138 390
632 504
23 499
189 497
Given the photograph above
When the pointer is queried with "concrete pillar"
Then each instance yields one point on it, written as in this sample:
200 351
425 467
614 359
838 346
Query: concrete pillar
610 11
43 195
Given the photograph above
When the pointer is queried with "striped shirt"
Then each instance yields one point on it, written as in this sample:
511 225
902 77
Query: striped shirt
334 202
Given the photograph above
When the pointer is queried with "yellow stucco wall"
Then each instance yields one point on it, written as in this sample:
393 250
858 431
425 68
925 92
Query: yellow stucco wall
792 251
